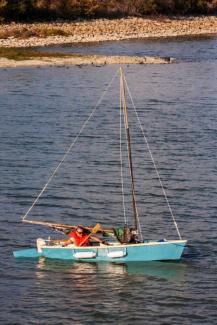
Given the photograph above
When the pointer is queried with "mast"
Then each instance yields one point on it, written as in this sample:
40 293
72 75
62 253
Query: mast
130 161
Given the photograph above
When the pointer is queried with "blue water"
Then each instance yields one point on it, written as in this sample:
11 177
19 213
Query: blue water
198 48
42 109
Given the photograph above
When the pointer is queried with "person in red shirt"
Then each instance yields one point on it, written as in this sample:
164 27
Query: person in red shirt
79 238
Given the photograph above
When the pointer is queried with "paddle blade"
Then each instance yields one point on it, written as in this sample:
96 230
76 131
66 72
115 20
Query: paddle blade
96 228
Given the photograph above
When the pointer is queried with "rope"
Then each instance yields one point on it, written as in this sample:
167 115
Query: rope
153 161
70 147
126 125
121 162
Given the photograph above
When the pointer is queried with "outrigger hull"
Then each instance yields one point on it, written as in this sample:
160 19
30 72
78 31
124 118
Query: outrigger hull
151 251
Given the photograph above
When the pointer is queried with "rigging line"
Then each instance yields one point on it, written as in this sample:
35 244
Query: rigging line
124 105
153 161
137 225
121 160
71 146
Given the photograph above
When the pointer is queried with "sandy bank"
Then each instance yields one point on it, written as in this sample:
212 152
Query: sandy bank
104 30
82 60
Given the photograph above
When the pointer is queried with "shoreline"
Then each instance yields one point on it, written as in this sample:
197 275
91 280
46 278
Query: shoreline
30 36
96 60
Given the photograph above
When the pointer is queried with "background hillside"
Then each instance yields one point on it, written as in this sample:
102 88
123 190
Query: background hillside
28 10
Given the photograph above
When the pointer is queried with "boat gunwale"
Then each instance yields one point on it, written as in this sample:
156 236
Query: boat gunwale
152 243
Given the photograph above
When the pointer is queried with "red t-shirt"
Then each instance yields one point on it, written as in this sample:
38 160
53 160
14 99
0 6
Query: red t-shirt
79 239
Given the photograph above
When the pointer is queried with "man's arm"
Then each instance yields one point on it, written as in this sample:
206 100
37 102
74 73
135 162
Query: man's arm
99 240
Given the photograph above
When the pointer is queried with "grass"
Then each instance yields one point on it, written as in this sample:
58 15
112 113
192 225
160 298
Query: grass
24 33
45 32
28 54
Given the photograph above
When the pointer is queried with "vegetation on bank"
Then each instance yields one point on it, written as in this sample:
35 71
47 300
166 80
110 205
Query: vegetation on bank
35 57
33 10
18 54
24 32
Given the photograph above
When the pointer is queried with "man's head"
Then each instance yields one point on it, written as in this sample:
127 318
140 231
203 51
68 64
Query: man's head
79 230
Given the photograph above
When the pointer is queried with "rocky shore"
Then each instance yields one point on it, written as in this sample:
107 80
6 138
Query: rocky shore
44 34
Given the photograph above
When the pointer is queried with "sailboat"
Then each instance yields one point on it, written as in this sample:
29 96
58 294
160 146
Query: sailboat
124 244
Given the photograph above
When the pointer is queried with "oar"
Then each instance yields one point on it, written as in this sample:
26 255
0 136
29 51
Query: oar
94 230
59 225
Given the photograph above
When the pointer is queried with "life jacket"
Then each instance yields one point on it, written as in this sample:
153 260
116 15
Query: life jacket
84 239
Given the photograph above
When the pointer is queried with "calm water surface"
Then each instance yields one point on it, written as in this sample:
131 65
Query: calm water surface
42 109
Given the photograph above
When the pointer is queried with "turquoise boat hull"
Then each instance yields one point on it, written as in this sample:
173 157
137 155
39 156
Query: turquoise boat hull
142 252
27 253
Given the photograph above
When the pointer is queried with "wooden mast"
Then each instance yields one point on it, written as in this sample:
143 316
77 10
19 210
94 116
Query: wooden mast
130 161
